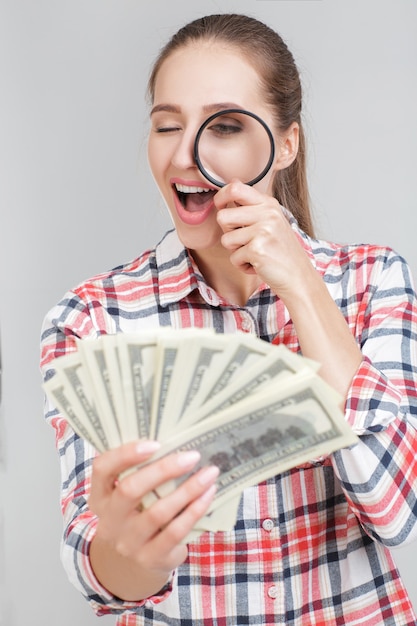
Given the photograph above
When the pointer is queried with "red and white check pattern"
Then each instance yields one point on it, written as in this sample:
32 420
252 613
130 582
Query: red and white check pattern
311 546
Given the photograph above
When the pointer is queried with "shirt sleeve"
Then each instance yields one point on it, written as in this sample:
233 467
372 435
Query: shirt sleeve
379 475
65 323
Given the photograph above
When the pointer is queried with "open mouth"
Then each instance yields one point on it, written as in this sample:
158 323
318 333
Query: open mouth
193 198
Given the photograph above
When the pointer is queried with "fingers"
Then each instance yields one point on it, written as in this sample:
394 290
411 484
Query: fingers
108 466
257 233
177 513
177 530
157 532
123 495
240 206
132 488
163 543
168 521
237 193
231 219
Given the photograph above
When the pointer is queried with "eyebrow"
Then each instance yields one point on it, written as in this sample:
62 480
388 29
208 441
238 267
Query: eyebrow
207 108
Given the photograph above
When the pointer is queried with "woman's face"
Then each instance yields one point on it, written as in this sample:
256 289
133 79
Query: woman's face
193 83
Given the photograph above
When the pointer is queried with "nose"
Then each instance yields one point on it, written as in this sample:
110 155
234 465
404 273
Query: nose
183 155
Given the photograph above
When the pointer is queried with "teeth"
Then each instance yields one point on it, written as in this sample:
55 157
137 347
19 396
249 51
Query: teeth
188 189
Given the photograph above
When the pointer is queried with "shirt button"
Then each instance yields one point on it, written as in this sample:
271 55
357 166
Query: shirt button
273 592
268 525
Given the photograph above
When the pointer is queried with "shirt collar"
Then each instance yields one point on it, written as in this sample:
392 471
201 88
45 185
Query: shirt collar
176 275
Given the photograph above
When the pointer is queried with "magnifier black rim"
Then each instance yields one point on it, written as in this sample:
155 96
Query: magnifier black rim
201 167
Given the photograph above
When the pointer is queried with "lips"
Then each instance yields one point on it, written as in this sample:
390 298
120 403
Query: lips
193 201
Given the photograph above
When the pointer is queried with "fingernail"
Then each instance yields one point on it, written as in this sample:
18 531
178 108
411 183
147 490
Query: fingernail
147 446
209 493
188 458
208 474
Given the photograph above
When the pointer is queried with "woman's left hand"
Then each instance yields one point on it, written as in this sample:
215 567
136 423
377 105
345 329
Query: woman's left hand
260 238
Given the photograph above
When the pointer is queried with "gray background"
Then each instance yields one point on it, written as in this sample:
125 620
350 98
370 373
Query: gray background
76 198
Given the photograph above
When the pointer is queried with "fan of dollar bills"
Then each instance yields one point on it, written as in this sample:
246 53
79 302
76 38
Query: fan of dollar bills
252 408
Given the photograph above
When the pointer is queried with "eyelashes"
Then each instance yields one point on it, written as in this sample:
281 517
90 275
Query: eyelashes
167 129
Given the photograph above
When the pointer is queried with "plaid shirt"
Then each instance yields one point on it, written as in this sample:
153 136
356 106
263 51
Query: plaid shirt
312 545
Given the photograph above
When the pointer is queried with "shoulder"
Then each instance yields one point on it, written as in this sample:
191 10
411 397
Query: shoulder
337 258
134 268
352 269
118 299
364 259
140 271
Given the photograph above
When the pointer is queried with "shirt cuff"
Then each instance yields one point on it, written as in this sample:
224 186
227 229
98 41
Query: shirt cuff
373 402
100 599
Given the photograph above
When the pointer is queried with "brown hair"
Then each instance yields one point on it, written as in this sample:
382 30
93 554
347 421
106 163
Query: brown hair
265 49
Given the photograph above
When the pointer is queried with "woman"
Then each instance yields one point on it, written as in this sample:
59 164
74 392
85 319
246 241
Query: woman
312 544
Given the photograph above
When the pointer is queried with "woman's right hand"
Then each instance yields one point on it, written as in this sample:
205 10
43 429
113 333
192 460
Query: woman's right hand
135 550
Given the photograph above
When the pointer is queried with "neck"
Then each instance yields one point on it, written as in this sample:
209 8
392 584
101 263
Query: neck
229 282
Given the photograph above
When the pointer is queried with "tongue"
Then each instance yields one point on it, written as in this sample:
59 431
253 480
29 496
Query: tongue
197 201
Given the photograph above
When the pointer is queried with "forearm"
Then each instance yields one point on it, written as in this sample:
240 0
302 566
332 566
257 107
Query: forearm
379 475
379 479
323 333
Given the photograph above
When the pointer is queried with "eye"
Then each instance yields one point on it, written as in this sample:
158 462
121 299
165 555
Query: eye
163 124
225 128
167 129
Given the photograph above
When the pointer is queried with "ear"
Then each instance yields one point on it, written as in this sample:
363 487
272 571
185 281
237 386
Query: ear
287 147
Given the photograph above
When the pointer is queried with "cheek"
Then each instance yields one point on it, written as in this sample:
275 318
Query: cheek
266 184
158 168
152 158
158 159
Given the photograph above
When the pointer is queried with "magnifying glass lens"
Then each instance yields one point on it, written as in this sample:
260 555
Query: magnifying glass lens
234 144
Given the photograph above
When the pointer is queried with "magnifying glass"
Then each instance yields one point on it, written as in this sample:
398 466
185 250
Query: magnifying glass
234 143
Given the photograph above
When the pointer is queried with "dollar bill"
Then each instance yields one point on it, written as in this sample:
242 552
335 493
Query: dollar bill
268 434
67 401
137 362
113 362
250 407
196 356
222 518
275 365
241 352
168 353
93 356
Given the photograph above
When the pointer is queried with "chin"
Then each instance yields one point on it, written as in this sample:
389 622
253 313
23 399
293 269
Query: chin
200 237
